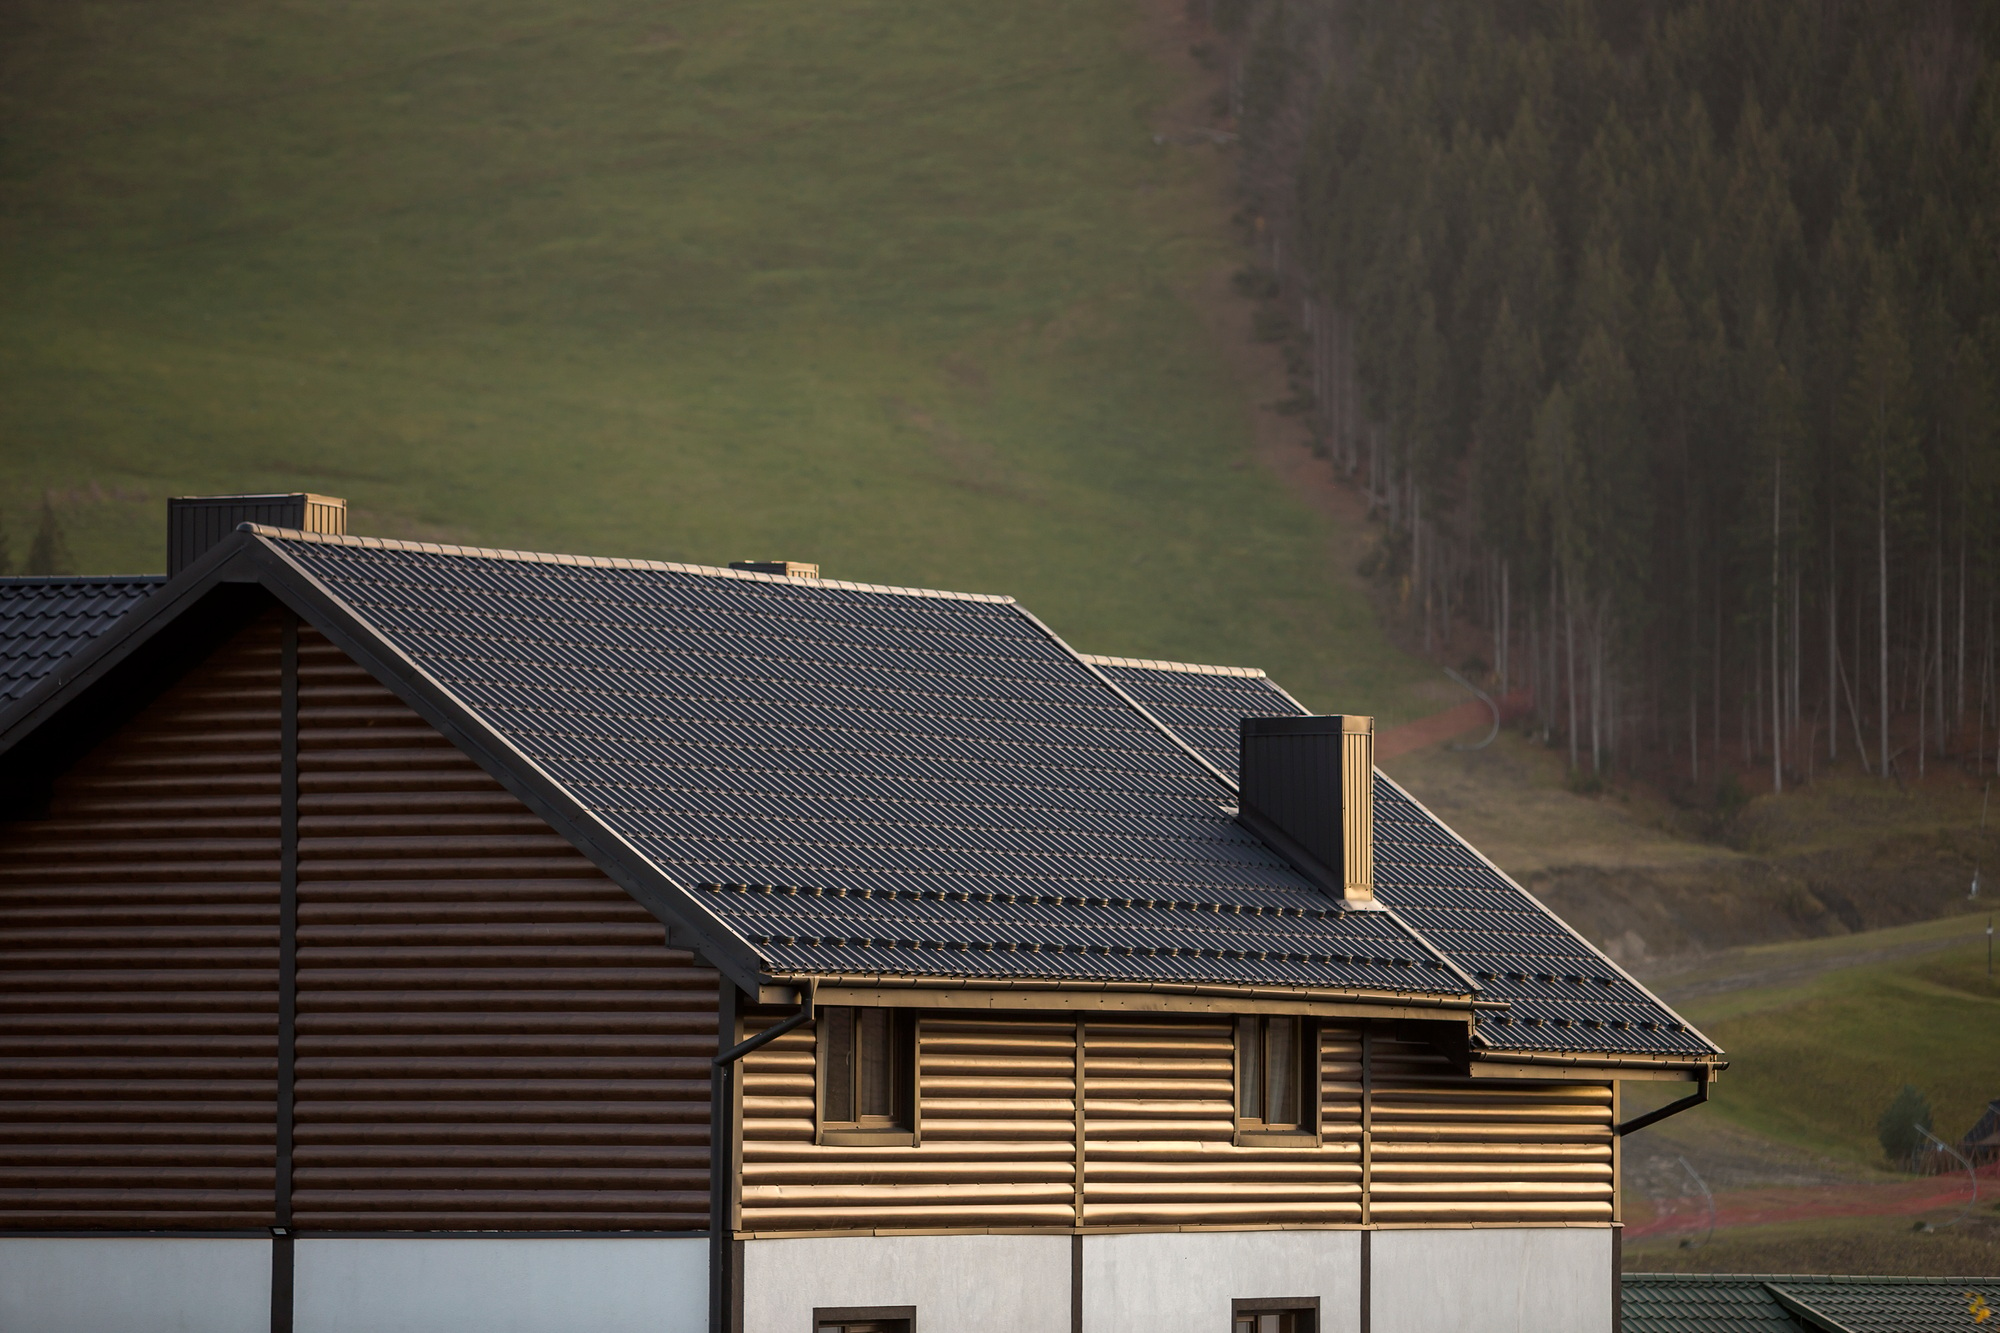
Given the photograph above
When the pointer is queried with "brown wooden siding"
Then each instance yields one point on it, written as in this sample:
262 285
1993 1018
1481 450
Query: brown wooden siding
491 1034
1160 1124
996 1116
138 967
997 1136
1453 1149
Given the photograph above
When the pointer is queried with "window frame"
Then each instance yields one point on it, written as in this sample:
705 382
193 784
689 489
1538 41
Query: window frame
1256 1131
900 1128
1307 1305
865 1314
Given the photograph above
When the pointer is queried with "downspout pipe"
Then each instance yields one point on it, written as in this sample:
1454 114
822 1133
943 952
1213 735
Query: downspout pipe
722 1155
1699 1096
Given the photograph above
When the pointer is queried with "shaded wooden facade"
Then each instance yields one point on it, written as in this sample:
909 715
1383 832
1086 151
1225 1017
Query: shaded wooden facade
490 1035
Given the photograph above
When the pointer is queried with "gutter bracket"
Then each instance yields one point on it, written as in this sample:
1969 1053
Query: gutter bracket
1699 1096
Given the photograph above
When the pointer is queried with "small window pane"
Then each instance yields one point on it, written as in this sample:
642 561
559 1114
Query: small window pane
876 1064
1267 1323
1249 1046
839 1064
1245 1324
1282 1053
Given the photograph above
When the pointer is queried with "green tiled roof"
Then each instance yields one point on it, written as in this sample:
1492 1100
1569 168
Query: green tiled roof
1775 1303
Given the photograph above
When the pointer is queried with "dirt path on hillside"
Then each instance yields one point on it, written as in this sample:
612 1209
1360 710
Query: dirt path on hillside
1718 977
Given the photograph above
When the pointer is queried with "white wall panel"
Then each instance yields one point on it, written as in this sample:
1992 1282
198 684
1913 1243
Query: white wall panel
1504 1280
1183 1282
959 1284
135 1285
519 1285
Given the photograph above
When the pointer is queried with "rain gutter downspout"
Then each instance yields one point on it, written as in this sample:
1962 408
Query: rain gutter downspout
722 1149
1699 1096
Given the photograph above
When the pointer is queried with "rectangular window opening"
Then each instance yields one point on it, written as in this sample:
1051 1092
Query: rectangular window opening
867 1062
1289 1314
869 1319
1277 1076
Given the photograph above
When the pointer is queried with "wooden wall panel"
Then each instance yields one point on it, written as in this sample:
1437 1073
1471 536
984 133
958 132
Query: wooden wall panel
138 967
1454 1149
1160 1123
491 1034
997 1136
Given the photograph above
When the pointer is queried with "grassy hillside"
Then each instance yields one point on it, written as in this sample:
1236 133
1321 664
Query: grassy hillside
909 291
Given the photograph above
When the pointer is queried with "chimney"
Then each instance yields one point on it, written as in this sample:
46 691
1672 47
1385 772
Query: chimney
791 569
197 523
1308 786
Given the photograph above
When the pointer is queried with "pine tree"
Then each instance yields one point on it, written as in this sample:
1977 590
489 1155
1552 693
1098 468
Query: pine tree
49 554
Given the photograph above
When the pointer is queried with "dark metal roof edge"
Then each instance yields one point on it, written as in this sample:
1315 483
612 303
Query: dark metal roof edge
75 580
1443 1001
432 700
83 668
1547 911
1818 1318
1130 702
609 562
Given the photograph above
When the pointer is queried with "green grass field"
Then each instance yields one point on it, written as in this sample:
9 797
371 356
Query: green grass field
907 291
1814 1061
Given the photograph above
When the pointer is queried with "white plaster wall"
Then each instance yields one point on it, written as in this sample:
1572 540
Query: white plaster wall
959 1284
1183 1282
500 1285
135 1285
1531 1280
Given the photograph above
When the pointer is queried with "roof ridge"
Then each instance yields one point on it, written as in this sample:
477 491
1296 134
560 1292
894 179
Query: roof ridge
1189 668
606 562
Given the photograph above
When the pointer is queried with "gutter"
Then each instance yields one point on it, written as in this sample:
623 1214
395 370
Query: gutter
1699 1096
1426 999
722 1150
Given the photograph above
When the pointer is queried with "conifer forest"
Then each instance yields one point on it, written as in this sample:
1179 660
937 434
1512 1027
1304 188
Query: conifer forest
1663 335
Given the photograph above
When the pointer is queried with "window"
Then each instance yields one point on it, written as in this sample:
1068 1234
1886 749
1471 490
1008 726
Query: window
1289 1314
1277 1076
866 1087
869 1319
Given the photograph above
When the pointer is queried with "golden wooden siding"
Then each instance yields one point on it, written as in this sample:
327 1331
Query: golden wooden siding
1453 1149
138 967
491 1034
1160 1123
997 1125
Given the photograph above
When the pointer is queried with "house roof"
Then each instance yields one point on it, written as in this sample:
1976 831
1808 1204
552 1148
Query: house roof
825 778
45 619
1748 1303
1563 993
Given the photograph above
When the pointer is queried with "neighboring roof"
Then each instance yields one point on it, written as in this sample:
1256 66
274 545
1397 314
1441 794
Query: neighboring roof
44 619
1986 1133
867 780
1757 1303
1565 995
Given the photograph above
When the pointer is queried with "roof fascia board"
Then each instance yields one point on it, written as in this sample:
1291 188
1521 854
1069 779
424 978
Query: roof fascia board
690 925
1543 908
1797 1308
134 630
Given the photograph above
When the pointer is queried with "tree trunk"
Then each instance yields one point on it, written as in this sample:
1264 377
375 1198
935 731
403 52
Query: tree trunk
1504 608
1882 611
1777 703
1569 637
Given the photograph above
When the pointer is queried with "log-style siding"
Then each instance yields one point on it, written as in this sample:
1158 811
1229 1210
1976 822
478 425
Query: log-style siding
491 1034
1159 1130
996 1126
138 967
997 1136
1453 1149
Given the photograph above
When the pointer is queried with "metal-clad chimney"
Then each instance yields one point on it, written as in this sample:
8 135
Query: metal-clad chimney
196 523
1308 786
